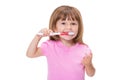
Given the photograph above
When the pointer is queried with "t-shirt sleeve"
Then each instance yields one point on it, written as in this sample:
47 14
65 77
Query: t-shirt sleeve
47 48
44 48
87 51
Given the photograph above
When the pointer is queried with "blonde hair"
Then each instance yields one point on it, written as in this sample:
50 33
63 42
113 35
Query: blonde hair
71 13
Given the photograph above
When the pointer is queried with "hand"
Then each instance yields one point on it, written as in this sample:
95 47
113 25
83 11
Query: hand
87 60
46 32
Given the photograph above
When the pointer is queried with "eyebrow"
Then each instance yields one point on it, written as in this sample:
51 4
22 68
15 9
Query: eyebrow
69 20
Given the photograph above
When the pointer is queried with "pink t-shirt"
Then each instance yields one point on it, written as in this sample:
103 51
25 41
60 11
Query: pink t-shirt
64 63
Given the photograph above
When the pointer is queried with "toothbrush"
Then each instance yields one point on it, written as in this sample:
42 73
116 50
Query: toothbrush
58 33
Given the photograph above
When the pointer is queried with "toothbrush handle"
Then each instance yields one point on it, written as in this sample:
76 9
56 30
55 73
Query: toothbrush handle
40 34
51 34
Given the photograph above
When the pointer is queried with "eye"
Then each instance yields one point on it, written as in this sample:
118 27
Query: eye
63 23
73 24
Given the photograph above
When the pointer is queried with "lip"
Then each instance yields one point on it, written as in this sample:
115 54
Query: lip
67 33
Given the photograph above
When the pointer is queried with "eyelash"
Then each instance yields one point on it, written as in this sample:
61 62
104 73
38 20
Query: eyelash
71 23
63 23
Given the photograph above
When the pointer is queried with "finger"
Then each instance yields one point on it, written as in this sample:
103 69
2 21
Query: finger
44 31
49 32
90 55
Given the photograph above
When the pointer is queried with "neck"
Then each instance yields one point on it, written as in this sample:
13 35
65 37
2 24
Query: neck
68 43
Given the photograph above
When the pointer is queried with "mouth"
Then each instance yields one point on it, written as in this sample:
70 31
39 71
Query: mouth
67 33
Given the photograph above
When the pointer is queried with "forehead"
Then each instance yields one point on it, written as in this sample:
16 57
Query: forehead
67 19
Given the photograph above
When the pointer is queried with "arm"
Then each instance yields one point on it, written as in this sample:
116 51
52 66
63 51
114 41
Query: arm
89 68
33 50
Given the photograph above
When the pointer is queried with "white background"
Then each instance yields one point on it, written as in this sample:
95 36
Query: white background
20 20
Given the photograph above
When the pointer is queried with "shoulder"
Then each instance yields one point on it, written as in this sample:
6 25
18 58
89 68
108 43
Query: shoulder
47 46
48 43
84 47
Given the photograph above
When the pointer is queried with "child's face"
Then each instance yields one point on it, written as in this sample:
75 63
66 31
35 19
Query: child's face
67 26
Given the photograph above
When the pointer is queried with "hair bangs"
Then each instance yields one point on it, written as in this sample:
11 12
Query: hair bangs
67 14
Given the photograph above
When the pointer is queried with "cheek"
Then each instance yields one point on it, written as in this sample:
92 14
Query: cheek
75 29
59 29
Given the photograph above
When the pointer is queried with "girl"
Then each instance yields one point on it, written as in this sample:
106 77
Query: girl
67 55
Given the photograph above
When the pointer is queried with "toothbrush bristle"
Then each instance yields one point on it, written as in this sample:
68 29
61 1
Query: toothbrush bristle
67 33
71 33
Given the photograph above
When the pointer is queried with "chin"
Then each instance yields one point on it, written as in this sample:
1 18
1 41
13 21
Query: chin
68 38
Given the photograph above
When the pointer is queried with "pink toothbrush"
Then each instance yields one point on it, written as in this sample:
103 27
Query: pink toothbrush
58 33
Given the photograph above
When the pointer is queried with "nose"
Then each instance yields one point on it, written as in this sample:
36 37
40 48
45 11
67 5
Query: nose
68 26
